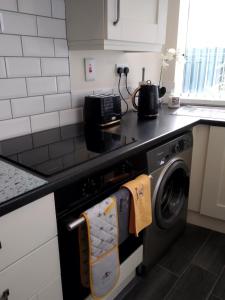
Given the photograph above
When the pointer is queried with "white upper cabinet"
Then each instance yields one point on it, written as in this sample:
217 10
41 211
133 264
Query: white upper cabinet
126 25
213 197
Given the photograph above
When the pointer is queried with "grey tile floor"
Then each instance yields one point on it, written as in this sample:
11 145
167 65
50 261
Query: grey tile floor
192 269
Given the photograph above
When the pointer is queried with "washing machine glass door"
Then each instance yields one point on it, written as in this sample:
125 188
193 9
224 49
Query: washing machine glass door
171 193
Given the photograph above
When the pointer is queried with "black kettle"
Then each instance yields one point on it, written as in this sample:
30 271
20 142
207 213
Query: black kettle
148 99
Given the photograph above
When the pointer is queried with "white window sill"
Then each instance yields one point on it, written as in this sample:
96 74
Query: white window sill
202 102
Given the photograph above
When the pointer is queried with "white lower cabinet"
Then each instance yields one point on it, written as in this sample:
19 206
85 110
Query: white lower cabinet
29 254
26 229
213 195
35 276
52 291
207 184
199 154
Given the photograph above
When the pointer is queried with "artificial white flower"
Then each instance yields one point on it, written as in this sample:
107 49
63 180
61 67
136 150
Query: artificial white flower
169 55
172 51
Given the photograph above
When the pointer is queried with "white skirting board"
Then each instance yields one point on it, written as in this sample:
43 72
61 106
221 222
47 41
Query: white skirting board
204 221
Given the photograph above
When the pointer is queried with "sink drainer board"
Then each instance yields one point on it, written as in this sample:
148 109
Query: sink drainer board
203 112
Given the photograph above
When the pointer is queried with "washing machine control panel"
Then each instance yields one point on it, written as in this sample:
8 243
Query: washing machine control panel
178 147
160 155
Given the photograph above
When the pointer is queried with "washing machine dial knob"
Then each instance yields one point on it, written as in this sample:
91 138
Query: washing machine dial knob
178 147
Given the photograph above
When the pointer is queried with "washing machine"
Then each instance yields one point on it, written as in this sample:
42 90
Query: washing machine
169 165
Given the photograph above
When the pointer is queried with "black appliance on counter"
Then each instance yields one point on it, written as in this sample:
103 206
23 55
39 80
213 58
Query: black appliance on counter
102 110
72 200
148 99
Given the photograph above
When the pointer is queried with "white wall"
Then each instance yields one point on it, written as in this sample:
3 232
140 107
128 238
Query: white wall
106 78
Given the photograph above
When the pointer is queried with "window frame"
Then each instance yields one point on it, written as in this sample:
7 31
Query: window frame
179 68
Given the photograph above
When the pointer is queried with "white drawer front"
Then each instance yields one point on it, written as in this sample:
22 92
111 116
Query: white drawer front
26 229
52 291
33 273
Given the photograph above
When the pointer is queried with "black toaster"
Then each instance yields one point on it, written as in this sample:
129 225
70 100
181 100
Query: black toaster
102 110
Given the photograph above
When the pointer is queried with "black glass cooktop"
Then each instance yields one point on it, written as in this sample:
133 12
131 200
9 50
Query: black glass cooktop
52 151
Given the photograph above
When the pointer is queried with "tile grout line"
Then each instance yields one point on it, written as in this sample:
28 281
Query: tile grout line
169 271
51 8
203 245
188 266
215 283
6 71
30 14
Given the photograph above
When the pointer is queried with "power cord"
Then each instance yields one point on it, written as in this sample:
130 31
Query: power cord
126 71
120 71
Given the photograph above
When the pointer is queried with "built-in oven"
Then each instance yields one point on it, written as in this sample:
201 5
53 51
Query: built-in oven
72 200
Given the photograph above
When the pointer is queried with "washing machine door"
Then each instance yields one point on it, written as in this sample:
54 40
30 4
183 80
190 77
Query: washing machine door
171 193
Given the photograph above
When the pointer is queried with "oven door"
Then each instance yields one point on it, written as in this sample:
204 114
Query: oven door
130 253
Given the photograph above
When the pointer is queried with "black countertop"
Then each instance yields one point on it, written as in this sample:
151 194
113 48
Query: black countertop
148 134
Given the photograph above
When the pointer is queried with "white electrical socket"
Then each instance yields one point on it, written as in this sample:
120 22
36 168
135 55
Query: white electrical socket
120 66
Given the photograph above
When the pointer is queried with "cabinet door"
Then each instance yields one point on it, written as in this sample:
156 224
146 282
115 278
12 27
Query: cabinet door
199 154
213 196
26 228
142 21
33 274
52 291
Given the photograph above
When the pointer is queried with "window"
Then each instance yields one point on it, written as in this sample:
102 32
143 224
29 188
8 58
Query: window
204 68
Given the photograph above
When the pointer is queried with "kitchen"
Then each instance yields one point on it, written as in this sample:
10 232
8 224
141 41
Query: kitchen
53 168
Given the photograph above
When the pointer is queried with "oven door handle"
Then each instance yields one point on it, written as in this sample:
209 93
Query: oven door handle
73 225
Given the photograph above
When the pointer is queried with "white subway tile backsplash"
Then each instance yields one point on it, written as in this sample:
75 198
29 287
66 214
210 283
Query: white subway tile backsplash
53 28
41 86
10 45
16 23
58 9
5 110
71 116
35 7
34 68
14 127
2 68
61 48
23 66
63 83
55 66
8 5
36 46
44 121
57 102
12 88
27 106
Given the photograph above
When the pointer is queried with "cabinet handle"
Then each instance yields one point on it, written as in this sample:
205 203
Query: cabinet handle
0 245
5 295
118 13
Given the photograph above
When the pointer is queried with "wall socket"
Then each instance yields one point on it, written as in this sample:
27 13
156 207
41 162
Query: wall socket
120 66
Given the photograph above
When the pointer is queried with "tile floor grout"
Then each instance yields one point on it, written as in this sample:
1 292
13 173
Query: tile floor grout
188 266
174 282
215 283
